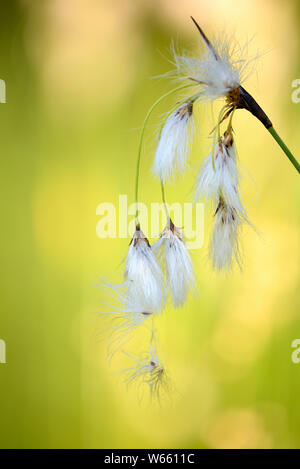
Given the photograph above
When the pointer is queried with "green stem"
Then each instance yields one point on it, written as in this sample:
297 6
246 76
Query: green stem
229 128
284 148
142 136
164 198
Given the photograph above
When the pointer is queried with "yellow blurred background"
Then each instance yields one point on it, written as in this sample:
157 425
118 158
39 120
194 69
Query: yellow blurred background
79 83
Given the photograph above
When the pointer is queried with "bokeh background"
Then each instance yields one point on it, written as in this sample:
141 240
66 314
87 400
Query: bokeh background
79 82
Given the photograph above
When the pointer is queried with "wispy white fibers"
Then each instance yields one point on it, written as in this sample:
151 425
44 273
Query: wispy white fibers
148 370
143 275
219 174
221 69
224 247
175 141
178 264
218 180
123 316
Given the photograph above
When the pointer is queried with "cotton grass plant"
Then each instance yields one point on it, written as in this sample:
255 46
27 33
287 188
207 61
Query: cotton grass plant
154 273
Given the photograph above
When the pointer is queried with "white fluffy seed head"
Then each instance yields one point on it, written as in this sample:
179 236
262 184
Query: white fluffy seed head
175 141
219 175
224 248
178 264
221 69
148 370
143 274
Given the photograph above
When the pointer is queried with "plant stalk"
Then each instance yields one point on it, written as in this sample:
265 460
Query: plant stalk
284 148
138 164
247 102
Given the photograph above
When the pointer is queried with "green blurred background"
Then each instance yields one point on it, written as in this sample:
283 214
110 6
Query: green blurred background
78 87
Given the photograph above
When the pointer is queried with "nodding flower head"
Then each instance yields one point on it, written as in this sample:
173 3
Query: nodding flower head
178 264
148 370
143 275
175 141
224 246
219 174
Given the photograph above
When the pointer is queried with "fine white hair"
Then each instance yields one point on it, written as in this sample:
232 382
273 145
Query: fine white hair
148 370
143 275
219 175
175 143
221 68
224 247
123 316
174 255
